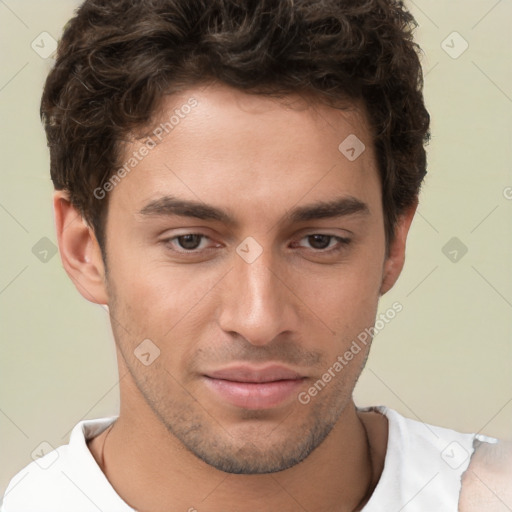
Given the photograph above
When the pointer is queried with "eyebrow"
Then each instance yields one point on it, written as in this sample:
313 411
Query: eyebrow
340 207
169 206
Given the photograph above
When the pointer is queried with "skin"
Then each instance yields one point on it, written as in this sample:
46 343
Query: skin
486 483
176 444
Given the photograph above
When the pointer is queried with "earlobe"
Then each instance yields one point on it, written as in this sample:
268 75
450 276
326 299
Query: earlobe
79 250
396 257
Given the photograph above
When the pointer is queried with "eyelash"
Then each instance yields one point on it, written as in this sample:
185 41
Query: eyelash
342 243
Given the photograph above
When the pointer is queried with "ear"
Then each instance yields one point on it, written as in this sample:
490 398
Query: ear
396 256
79 250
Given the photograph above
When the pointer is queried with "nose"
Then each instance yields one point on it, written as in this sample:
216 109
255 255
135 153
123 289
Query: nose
256 301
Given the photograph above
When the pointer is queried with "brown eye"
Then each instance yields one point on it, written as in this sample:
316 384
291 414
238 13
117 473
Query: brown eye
323 243
319 241
189 242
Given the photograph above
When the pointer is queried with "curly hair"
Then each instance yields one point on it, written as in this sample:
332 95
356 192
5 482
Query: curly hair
117 59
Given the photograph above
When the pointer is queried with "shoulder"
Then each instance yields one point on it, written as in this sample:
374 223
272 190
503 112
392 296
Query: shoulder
65 478
487 483
36 483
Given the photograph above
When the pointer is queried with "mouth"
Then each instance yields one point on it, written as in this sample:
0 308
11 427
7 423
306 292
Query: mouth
253 388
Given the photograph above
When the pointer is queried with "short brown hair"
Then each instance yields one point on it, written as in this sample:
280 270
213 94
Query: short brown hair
118 58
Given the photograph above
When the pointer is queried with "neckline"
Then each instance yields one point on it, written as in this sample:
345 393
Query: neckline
389 459
93 428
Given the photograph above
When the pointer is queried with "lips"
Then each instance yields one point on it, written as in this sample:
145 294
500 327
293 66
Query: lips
250 374
254 388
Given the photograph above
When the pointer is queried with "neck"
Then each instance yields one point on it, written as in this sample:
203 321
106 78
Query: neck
152 471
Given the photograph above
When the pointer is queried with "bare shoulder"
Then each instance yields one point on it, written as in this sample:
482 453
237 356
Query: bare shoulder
487 483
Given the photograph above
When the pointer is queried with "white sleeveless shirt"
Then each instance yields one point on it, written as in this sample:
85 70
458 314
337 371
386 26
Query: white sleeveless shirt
422 472
423 467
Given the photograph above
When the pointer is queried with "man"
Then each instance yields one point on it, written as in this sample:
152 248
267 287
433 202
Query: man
236 181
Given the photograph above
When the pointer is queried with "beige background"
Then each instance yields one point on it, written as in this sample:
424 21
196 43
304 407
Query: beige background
445 359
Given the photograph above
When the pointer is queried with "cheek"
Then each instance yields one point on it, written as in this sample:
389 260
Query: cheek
166 304
146 289
346 301
347 315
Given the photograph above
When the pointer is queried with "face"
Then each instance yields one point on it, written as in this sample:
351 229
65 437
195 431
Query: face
248 252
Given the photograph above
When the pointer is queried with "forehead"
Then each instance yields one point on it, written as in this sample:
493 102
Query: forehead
220 145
